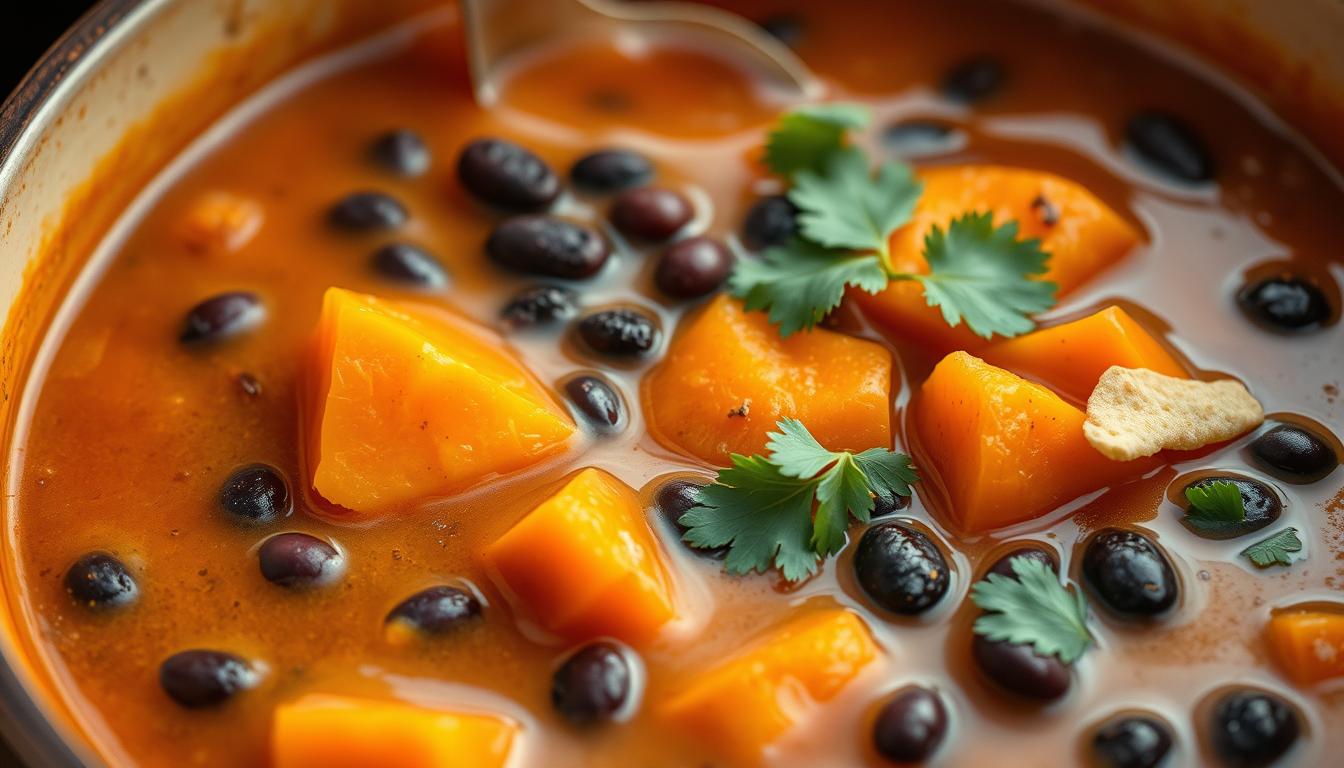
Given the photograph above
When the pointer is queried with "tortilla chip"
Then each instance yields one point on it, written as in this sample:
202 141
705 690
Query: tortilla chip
1135 412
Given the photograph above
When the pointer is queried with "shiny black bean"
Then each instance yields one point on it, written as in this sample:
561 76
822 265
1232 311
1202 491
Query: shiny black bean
901 569
507 176
299 561
410 264
1004 565
401 152
974 80
620 332
1132 741
693 267
1020 670
922 138
538 306
1167 145
255 494
884 505
771 221
674 499
100 581
1294 453
597 400
1252 728
1285 304
610 170
651 213
367 212
436 610
592 685
221 317
784 27
202 678
1261 504
910 727
547 246
1129 574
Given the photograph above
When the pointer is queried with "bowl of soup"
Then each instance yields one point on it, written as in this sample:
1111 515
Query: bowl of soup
983 409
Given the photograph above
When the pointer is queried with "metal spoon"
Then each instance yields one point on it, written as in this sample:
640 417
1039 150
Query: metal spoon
497 29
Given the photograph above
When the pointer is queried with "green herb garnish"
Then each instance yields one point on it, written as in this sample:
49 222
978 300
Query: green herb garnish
1033 608
762 507
1216 506
978 273
1278 549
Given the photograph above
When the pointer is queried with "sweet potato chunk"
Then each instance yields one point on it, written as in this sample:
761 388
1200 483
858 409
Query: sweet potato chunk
342 732
1084 238
1308 645
1070 358
728 377
402 405
1002 449
585 563
742 706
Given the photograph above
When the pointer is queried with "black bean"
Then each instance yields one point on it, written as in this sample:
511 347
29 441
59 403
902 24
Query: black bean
255 494
597 400
367 212
409 264
1295 454
651 213
786 28
922 138
1020 670
674 499
900 568
1129 574
884 505
544 245
221 317
610 170
620 332
202 678
592 685
541 305
1261 504
693 267
401 152
436 610
299 561
1167 145
1132 741
974 80
1004 565
771 221
507 176
910 727
1253 728
1285 304
101 581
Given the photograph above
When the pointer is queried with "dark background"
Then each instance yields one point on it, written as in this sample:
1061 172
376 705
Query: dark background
29 29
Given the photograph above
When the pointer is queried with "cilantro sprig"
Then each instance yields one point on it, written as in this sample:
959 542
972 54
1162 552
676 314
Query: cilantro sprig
1033 608
1214 507
792 506
1278 549
978 273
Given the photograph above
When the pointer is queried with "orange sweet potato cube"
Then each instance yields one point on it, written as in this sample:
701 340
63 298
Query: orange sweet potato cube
402 405
1308 645
728 378
1082 235
1000 449
739 708
585 564
342 732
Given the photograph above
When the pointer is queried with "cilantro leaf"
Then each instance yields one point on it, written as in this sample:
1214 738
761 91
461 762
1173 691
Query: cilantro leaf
889 473
798 284
1215 506
981 274
795 451
1278 549
847 207
1033 608
806 137
843 491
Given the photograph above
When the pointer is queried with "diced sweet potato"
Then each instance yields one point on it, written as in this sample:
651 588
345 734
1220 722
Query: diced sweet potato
742 706
729 377
1001 449
1308 645
403 405
1070 358
585 564
221 222
1085 237
343 732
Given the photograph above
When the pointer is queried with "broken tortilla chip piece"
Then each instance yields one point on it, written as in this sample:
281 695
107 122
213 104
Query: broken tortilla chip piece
1135 412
